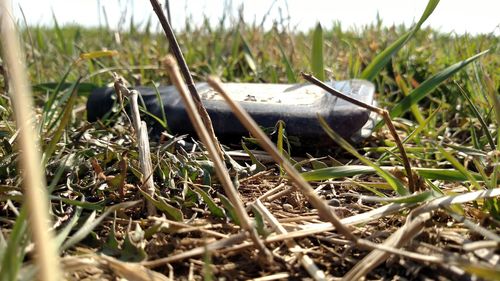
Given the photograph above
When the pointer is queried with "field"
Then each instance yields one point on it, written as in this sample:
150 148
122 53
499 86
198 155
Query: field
442 94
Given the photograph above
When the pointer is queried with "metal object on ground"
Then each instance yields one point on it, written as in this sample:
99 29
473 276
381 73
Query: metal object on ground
296 104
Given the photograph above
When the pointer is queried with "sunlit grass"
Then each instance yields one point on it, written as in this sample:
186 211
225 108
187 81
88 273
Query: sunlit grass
449 128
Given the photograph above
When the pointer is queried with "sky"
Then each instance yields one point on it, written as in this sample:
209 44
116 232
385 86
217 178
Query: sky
459 16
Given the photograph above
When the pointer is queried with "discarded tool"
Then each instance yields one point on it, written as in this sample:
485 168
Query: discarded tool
296 104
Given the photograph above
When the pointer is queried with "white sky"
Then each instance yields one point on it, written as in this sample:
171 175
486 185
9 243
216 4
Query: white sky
460 16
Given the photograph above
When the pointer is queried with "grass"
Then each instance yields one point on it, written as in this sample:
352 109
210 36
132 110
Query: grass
441 91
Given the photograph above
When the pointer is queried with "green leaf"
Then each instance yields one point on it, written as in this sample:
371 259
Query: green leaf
112 246
317 66
260 226
230 211
214 209
133 249
391 180
172 212
379 62
92 222
429 85
259 166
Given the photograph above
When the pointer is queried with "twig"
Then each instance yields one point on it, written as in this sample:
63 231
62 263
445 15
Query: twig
220 168
176 51
35 196
142 142
323 208
385 116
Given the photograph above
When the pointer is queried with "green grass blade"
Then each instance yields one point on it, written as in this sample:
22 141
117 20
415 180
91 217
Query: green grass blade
248 55
13 255
290 74
63 48
160 102
65 119
317 67
337 172
352 170
391 180
479 117
48 111
84 204
412 135
379 62
63 234
429 85
409 199
459 167
279 143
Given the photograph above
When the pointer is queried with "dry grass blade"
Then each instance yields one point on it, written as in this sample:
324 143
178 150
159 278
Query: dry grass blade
33 176
310 229
323 209
385 115
305 260
198 251
403 235
220 168
99 266
277 276
414 223
132 271
176 51
142 142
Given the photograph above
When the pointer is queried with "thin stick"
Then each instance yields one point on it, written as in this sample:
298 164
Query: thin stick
220 168
35 196
142 142
176 51
385 116
323 208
